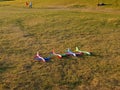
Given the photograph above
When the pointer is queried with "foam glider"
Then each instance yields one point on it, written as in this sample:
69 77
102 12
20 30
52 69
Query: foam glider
58 55
70 52
84 52
39 58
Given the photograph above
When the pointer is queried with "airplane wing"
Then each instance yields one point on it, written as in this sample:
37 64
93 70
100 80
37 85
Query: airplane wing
70 52
85 52
38 57
58 55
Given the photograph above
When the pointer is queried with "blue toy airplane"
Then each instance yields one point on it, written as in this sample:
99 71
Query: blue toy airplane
39 58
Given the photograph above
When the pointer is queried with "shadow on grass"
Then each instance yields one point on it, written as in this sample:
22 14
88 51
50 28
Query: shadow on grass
92 55
4 67
103 4
77 6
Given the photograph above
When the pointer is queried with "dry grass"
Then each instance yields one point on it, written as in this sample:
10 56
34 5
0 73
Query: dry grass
24 31
62 3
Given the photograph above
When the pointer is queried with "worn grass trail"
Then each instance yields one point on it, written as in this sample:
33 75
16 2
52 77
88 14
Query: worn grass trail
24 31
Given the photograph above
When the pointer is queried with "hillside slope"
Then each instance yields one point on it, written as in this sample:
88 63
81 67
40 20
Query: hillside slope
78 3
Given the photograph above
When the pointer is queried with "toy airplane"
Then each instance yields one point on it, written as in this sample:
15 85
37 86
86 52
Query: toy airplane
70 52
84 52
74 54
39 58
58 55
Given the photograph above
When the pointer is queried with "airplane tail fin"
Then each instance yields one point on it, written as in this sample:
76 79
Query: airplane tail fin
59 56
53 52
77 49
37 54
39 57
68 50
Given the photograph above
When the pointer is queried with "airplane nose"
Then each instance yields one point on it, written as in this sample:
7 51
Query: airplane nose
74 54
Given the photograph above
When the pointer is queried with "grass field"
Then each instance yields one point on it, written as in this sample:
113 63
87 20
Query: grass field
25 31
61 3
